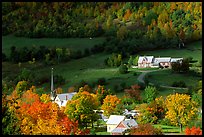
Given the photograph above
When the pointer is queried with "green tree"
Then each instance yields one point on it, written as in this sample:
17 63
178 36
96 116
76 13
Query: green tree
122 33
21 87
59 54
135 60
130 61
81 107
123 69
150 94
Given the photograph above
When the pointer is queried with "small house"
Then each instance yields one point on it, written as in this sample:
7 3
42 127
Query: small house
61 99
123 126
145 61
113 122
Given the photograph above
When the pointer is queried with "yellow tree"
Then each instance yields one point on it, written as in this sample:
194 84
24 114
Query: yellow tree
81 107
110 104
180 109
45 98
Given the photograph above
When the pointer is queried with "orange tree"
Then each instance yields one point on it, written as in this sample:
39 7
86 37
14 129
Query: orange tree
110 105
180 109
40 118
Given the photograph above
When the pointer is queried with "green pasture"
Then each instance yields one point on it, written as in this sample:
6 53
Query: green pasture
91 68
168 129
191 50
167 77
72 43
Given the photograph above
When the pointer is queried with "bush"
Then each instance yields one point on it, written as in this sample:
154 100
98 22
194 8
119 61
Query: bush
193 131
135 74
145 129
123 69
179 84
59 80
101 81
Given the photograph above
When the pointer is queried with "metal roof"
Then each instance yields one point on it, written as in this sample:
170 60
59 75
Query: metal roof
158 60
66 96
176 59
129 123
115 119
118 130
148 58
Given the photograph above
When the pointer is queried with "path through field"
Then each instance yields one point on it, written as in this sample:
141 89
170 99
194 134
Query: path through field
142 76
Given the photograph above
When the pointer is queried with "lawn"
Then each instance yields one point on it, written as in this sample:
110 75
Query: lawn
91 68
194 50
72 43
169 129
167 77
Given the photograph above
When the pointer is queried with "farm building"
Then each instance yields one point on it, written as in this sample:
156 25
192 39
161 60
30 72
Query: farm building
150 61
113 121
123 126
145 61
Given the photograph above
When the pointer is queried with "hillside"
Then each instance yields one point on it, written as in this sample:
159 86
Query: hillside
161 24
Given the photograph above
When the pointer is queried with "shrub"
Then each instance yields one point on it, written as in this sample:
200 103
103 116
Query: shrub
101 81
123 69
59 80
179 84
193 131
145 129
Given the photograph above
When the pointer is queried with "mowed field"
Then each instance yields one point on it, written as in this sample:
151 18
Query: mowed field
72 43
91 68
191 50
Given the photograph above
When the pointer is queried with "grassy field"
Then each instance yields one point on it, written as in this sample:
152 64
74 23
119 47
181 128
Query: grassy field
169 129
91 68
194 50
72 43
166 77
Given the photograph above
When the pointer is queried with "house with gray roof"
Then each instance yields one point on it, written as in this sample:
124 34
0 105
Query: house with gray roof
61 99
123 126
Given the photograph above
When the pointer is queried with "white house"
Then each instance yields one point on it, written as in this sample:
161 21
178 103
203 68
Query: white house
61 99
145 61
150 61
113 122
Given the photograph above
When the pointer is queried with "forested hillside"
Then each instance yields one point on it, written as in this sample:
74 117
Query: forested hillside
153 24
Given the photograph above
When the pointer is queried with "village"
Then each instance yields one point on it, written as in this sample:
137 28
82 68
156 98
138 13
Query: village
118 124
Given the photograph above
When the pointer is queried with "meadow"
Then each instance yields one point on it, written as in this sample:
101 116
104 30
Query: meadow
92 67
72 43
191 50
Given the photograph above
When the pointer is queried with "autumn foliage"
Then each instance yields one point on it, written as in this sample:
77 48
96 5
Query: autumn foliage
110 104
134 92
145 129
193 131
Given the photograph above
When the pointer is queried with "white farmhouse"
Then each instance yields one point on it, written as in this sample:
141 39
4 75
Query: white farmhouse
145 61
113 122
